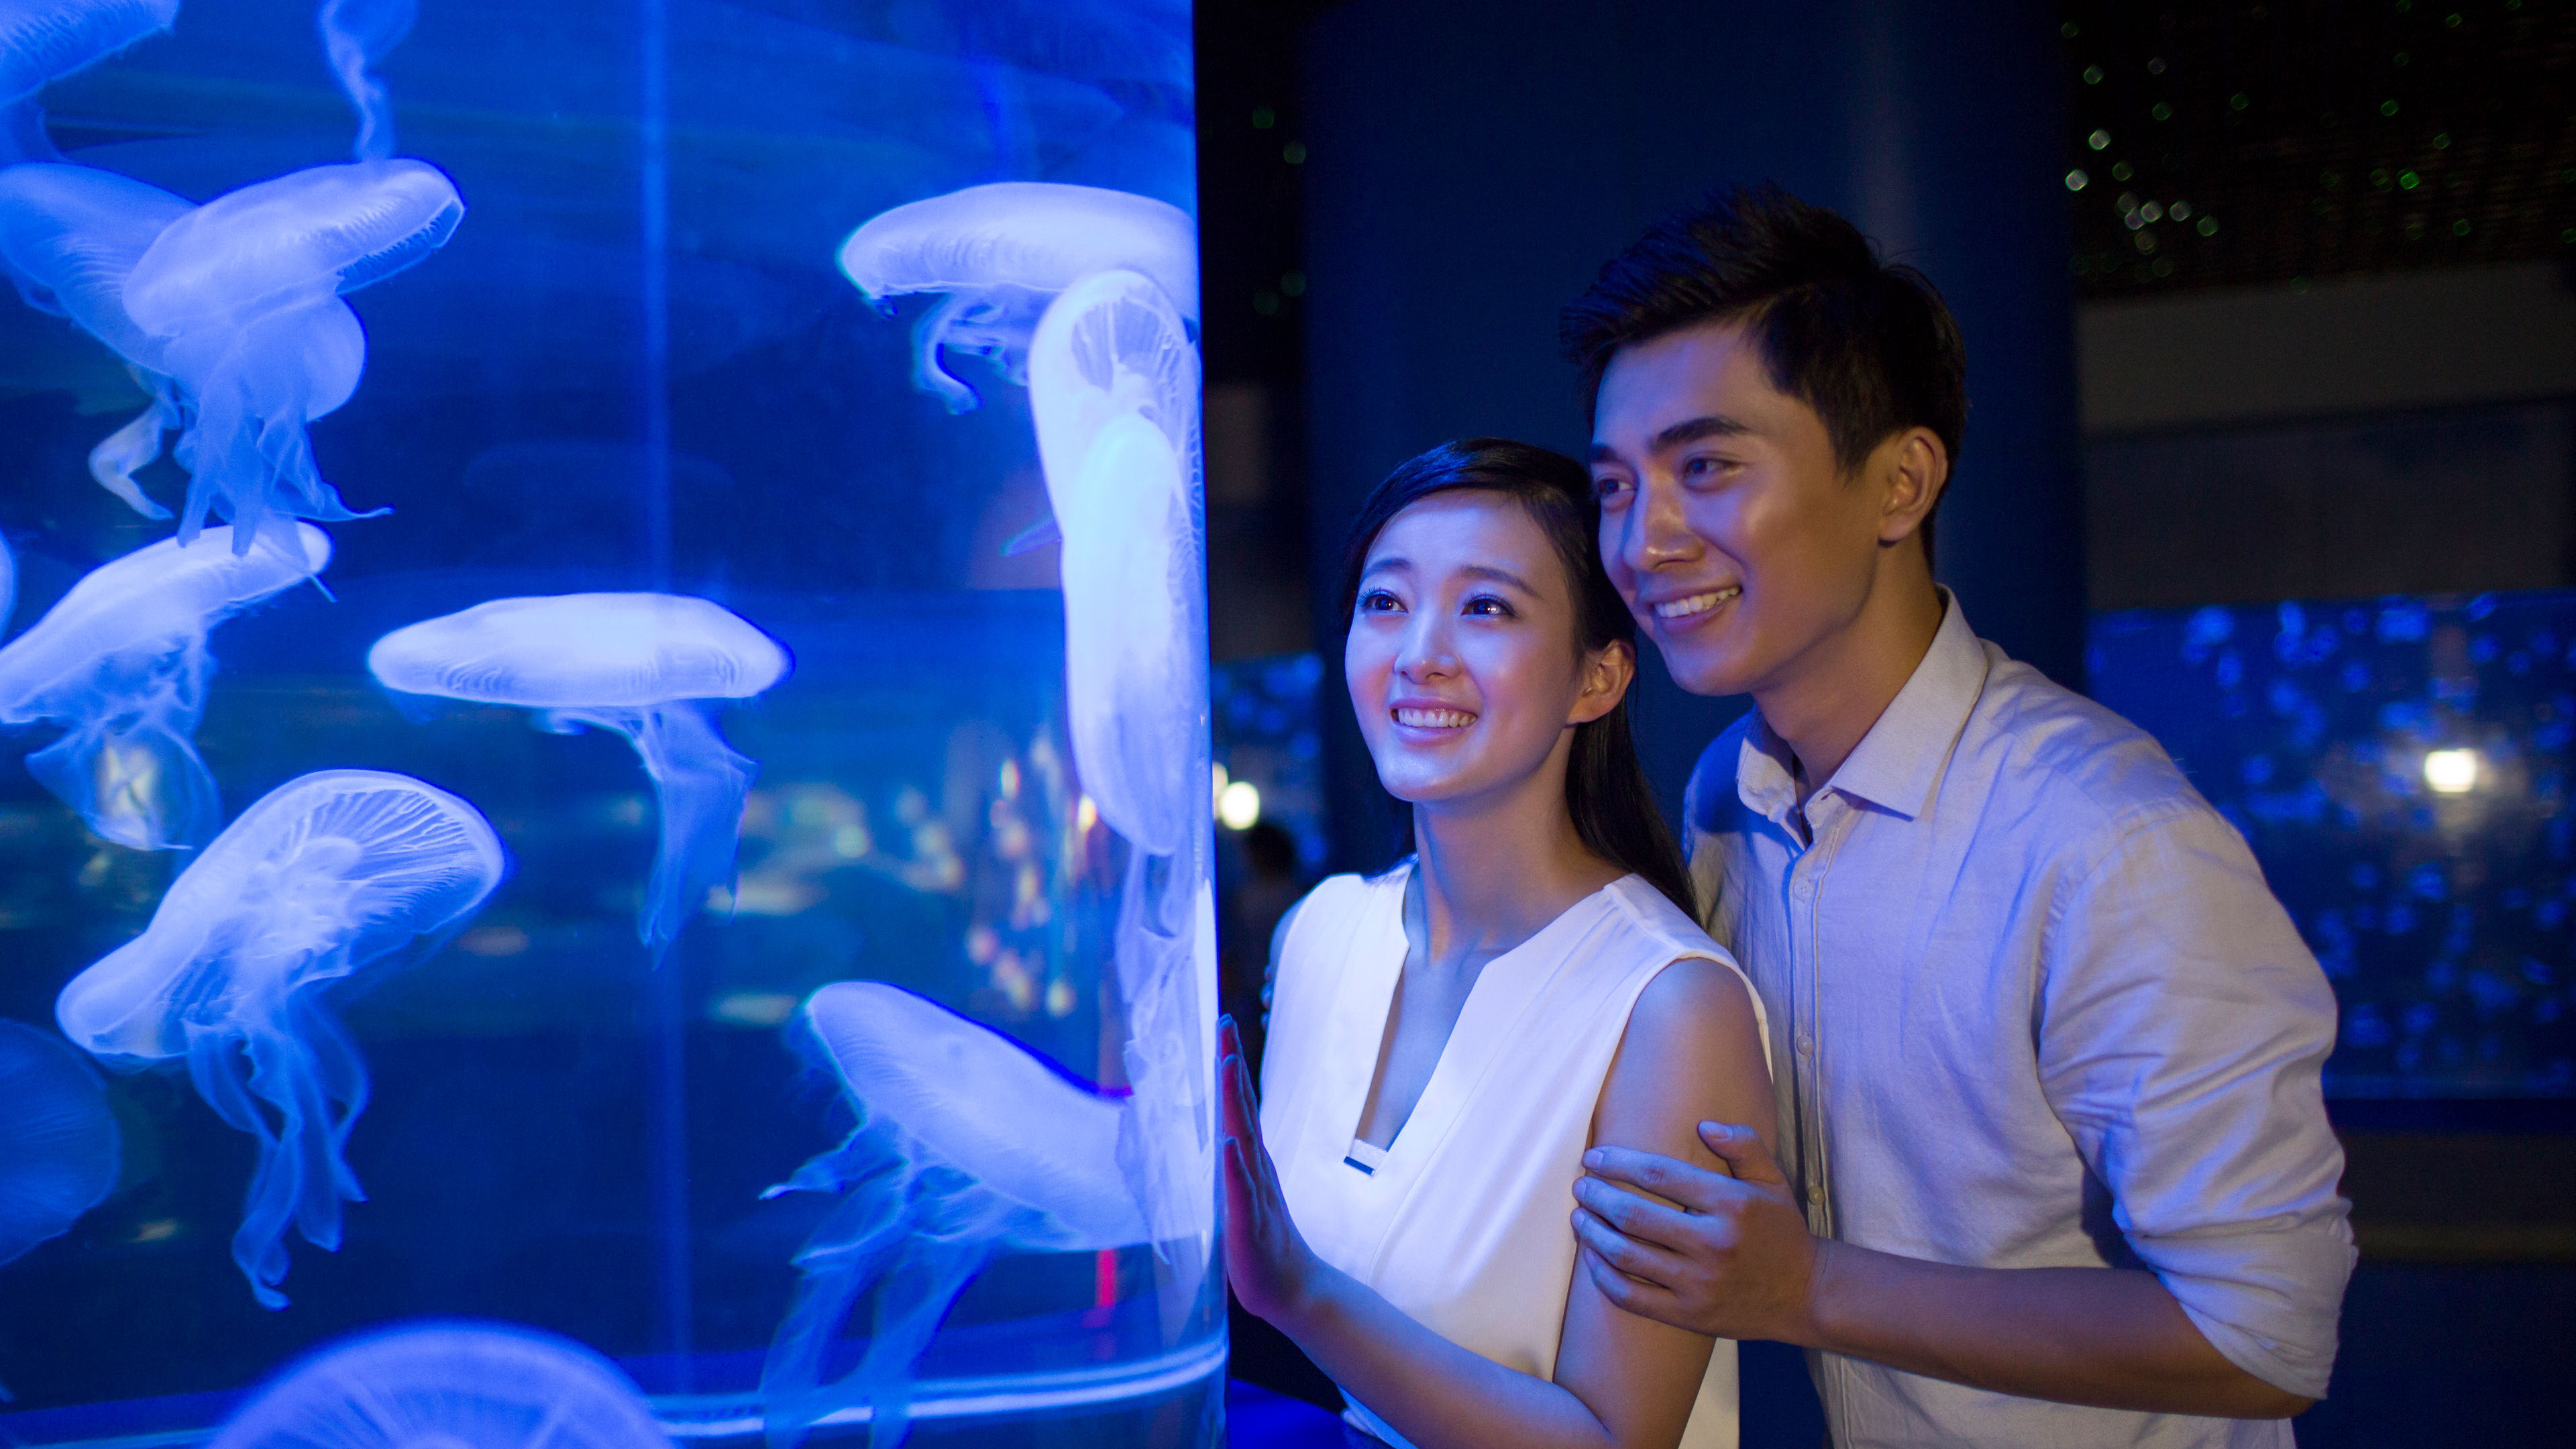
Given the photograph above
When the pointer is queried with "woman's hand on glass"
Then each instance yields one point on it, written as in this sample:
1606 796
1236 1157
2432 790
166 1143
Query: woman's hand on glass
1266 1259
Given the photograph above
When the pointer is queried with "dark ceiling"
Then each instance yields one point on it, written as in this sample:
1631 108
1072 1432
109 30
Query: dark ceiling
2212 144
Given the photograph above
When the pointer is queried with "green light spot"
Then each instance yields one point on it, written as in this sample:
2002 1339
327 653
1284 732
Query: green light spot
2402 58
2099 140
2452 20
2460 227
2092 75
1294 153
1293 283
2388 108
2239 101
2408 180
2207 226
2122 171
2162 112
1266 303
2441 140
1263 118
2070 30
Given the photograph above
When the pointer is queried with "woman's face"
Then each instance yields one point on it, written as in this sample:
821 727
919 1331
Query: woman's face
1462 658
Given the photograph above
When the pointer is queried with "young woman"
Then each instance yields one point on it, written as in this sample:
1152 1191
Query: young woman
1448 1038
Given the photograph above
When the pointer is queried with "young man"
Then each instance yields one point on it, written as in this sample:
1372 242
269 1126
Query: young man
2053 1164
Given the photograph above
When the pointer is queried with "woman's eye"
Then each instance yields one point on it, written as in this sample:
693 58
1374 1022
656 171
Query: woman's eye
1379 601
1489 606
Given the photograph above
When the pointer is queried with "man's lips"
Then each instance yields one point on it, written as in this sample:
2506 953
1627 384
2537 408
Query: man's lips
1690 605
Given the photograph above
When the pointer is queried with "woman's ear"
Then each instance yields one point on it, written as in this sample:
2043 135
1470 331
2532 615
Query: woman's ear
1607 673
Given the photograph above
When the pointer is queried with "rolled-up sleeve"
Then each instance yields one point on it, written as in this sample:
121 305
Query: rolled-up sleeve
2182 1029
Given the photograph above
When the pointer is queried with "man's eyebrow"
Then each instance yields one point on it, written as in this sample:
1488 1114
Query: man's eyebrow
1690 430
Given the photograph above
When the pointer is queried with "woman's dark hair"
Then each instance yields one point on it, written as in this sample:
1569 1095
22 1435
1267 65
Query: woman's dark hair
1605 787
1867 344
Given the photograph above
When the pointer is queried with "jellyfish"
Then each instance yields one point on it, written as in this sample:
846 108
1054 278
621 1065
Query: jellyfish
8 585
1114 392
58 1141
42 41
967 1144
1001 251
69 235
120 662
448 1385
355 35
641 665
326 875
243 295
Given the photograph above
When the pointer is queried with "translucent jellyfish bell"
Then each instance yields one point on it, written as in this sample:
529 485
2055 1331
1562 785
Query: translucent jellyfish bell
967 1144
326 875
243 294
448 1386
120 663
1000 251
42 41
58 1141
1114 391
69 237
638 664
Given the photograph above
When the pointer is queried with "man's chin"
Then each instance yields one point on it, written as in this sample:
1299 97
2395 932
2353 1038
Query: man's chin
1709 672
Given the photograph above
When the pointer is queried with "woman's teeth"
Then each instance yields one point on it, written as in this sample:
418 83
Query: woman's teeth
1435 719
1696 603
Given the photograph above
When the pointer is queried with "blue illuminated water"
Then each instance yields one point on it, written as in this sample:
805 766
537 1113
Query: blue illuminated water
939 723
2323 730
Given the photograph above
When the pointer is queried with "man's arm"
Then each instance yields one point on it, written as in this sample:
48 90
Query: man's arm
1737 1261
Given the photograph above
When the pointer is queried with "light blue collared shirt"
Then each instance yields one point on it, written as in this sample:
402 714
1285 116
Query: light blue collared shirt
2033 1006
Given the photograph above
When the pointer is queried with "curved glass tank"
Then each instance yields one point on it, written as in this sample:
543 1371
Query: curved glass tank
604 807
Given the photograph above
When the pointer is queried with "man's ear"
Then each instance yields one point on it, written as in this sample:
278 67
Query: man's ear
1606 677
1913 468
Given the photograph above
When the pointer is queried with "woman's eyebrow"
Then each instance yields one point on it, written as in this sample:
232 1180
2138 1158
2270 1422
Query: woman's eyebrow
1504 575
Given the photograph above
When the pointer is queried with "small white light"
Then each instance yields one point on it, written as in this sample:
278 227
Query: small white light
1239 805
1217 792
2451 772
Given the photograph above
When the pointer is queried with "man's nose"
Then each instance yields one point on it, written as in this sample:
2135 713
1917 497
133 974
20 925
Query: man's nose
1656 532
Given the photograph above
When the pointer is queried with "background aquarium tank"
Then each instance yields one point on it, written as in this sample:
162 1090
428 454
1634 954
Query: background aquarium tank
2400 767
609 658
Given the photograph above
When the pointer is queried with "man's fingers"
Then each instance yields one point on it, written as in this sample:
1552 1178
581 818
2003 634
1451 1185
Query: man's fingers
1638 1217
1646 1300
1741 1149
1630 1256
1693 1187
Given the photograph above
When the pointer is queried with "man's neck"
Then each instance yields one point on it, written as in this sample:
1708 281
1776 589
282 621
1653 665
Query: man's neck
1823 705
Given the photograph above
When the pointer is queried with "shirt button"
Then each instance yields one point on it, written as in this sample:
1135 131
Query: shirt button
1806 890
1816 1193
1806 1045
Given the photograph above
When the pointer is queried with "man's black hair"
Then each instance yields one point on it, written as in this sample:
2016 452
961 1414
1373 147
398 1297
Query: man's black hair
1867 344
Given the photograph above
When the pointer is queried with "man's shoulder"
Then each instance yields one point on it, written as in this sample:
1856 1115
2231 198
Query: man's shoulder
2089 768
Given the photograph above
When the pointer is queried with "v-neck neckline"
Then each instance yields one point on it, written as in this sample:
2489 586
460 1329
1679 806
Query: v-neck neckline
1480 1002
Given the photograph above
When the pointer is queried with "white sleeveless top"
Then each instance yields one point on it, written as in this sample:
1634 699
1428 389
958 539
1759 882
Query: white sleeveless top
1461 1222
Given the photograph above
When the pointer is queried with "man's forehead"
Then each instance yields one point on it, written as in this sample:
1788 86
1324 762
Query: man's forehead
1708 370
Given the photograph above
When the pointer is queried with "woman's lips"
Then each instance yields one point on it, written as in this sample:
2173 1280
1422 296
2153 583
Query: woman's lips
1423 718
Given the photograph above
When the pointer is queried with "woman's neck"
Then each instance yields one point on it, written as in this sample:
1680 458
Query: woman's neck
1493 872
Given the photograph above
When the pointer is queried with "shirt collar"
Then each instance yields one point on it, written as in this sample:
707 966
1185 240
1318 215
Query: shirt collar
1896 764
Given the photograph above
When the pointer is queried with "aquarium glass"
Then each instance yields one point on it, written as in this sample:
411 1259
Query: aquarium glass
2400 767
605 791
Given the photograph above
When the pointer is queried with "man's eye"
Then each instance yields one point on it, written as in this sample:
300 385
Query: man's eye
1608 490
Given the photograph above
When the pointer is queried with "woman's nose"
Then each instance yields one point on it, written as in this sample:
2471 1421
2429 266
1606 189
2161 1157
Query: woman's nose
1425 653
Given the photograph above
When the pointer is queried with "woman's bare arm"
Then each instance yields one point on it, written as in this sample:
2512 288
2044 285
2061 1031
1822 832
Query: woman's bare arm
1622 1382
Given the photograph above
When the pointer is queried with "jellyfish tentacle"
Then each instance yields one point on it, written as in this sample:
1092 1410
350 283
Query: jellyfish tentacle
928 335
216 1065
699 785
341 1073
132 770
356 34
124 452
918 1292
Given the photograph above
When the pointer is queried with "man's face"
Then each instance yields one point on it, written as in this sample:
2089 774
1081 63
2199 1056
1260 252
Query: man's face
1736 541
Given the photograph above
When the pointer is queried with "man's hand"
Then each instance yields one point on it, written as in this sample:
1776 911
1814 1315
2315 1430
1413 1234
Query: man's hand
1734 1260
